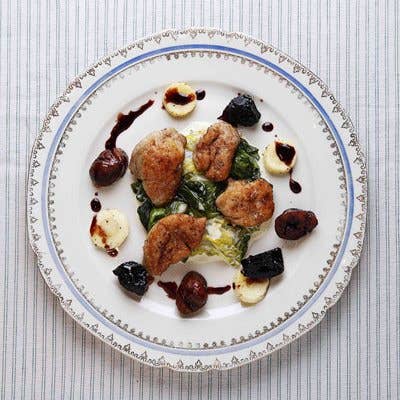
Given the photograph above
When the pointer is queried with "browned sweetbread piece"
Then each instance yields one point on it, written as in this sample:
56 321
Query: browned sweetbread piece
215 151
247 203
171 240
157 162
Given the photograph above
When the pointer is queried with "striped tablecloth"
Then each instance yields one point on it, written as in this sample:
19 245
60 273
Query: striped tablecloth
354 46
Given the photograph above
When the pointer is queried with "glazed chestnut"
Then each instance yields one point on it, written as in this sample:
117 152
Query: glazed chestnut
192 293
108 167
293 223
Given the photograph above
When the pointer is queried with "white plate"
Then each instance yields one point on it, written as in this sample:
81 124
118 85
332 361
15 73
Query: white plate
330 168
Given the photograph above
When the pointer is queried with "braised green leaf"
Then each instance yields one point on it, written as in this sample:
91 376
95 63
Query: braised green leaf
199 195
245 163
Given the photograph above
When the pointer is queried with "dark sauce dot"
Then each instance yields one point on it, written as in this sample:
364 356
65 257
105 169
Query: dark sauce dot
261 100
96 194
200 94
267 127
124 121
95 205
285 152
295 186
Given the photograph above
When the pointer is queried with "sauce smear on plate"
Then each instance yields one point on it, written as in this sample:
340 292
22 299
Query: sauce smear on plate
170 288
124 121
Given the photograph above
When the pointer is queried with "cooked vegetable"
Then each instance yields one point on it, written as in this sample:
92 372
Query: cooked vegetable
249 291
133 277
241 111
279 157
189 167
193 137
109 229
144 211
264 265
145 208
137 188
176 207
224 241
179 99
245 164
199 194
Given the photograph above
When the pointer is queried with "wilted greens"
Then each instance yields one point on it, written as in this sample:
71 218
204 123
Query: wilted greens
148 213
225 241
245 164
200 195
176 207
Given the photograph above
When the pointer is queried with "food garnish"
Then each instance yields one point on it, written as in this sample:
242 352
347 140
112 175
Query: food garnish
249 291
245 163
133 277
179 99
111 163
293 223
109 229
279 157
241 111
264 265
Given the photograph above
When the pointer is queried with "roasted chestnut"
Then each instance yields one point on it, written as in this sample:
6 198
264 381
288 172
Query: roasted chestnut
192 293
293 223
108 167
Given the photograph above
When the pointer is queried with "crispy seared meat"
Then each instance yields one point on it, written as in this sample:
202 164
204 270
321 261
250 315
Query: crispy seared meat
157 162
246 203
171 240
214 152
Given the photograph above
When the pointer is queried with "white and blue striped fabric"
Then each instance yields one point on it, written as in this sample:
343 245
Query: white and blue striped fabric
351 44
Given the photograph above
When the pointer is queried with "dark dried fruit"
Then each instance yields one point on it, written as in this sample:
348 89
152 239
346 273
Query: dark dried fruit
133 277
293 223
241 111
192 293
264 265
108 167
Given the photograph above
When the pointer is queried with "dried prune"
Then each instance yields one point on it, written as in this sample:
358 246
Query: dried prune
293 223
133 277
241 111
192 293
264 265
108 167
